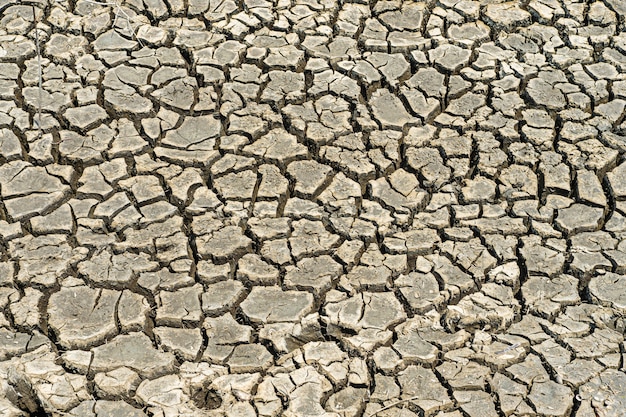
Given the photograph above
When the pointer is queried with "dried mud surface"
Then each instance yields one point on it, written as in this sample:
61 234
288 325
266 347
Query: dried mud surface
312 208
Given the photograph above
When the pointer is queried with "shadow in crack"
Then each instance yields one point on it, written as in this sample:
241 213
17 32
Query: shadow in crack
22 395
207 399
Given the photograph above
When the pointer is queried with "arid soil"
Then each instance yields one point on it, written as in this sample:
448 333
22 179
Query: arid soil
309 208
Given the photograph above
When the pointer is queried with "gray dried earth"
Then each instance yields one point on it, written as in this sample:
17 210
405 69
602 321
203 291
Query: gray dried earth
312 208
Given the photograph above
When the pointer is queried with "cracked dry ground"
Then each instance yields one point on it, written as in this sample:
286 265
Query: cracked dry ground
312 208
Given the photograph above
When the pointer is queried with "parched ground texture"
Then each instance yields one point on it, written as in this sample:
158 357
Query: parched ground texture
312 208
